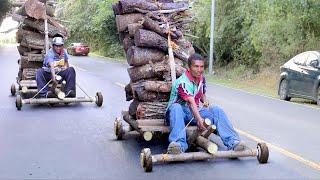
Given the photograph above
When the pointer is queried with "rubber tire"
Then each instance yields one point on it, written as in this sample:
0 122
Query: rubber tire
284 87
13 90
263 153
18 102
318 96
99 98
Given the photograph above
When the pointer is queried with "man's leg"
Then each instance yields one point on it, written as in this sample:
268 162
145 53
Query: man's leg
229 136
175 117
42 78
69 75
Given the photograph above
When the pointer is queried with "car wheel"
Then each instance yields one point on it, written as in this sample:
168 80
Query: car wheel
283 91
318 96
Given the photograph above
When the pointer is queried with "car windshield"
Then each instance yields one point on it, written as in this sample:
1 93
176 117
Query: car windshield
79 44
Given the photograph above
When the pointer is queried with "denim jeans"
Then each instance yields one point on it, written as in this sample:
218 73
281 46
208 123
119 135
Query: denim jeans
42 77
178 115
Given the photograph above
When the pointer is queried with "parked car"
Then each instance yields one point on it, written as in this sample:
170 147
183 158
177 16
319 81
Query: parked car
78 49
300 77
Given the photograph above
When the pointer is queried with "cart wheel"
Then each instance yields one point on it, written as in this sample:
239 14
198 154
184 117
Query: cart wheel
13 90
263 153
118 129
18 102
99 99
146 159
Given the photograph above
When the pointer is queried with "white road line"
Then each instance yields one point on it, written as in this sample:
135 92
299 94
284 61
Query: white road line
120 84
79 68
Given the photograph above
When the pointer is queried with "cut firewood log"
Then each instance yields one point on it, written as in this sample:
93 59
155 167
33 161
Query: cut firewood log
123 21
35 57
155 86
29 73
133 108
130 6
137 56
36 9
39 25
152 25
151 110
24 51
156 70
182 48
207 145
36 41
132 28
127 43
25 63
148 96
129 93
145 38
23 32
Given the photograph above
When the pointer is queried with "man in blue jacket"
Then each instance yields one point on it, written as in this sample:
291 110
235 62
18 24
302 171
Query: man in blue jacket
56 63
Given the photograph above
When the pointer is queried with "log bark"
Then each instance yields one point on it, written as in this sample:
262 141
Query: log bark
155 86
150 122
28 73
39 25
35 57
130 6
151 110
122 21
127 43
207 145
133 108
132 28
159 70
152 25
24 51
36 41
25 63
129 93
145 38
147 96
137 56
23 32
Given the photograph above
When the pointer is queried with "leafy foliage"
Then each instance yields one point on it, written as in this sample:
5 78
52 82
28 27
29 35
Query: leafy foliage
4 8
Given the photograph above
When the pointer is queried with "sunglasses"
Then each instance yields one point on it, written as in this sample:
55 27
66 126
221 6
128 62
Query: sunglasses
58 45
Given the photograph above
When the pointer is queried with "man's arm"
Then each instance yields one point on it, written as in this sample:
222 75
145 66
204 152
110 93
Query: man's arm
195 111
53 74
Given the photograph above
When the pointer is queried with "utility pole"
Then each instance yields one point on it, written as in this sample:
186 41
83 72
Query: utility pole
211 38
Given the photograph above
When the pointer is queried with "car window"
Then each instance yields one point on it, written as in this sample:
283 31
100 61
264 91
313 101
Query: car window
311 57
301 59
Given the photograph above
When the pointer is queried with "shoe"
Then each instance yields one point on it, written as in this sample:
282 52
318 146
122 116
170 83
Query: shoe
174 148
71 94
241 146
50 95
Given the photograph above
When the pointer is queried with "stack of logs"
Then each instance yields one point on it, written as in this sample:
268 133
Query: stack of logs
143 27
31 36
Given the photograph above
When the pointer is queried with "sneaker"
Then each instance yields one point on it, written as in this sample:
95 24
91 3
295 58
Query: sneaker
241 146
174 148
71 94
50 95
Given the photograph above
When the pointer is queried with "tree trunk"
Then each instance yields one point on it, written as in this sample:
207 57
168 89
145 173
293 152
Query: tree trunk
122 21
157 70
129 6
137 56
151 110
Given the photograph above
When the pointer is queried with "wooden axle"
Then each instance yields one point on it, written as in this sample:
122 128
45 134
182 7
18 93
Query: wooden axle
198 156
56 100
206 144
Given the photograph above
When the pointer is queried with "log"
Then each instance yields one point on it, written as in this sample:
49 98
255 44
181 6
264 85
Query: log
28 83
25 63
132 28
182 48
127 43
133 108
122 21
61 95
130 6
137 56
39 25
17 17
24 51
147 96
151 110
35 57
150 122
156 70
207 145
116 9
145 38
209 131
29 73
129 93
23 32
155 86
35 9
152 25
36 41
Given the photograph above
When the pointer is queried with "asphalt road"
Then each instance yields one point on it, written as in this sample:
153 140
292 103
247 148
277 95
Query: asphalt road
77 141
